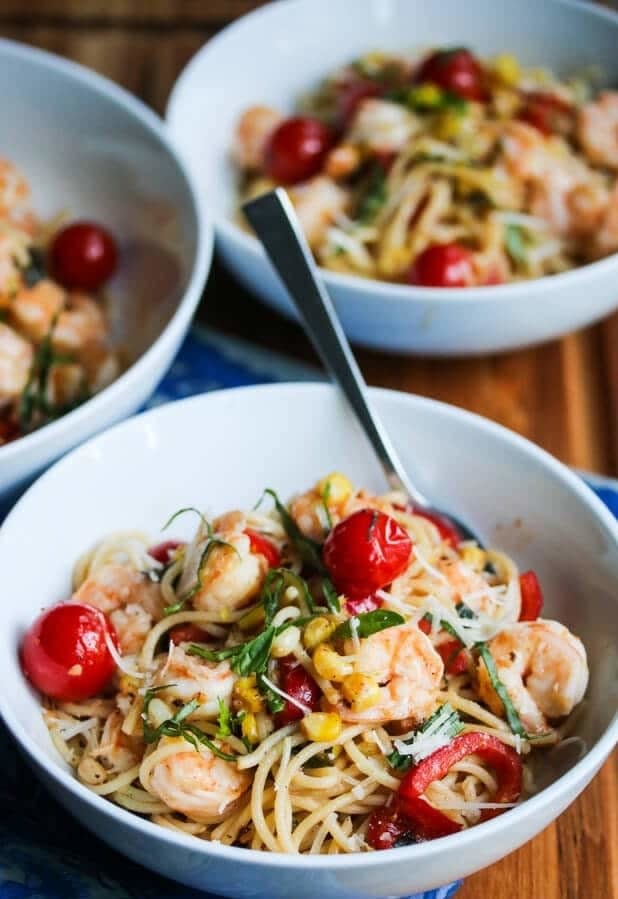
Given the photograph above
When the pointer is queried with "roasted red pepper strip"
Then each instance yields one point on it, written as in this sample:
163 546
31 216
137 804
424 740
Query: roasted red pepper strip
531 596
427 822
454 656
262 546
504 761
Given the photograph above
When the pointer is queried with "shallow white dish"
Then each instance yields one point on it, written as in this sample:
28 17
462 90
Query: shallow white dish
218 451
88 147
278 52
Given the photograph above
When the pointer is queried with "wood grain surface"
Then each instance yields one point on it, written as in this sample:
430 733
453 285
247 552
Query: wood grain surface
563 395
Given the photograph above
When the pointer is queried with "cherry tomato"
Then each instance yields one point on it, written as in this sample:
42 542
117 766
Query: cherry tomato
447 530
531 596
453 655
296 149
457 71
442 265
350 96
262 546
301 686
366 551
83 256
65 653
424 625
187 633
356 605
546 112
163 552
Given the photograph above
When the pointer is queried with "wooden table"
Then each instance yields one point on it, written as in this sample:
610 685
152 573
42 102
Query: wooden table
563 395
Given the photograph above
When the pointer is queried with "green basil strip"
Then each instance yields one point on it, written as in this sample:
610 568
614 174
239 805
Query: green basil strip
309 551
511 713
369 623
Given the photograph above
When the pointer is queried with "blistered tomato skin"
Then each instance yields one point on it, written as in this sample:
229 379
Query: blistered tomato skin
164 552
295 681
65 653
457 71
365 552
297 149
83 256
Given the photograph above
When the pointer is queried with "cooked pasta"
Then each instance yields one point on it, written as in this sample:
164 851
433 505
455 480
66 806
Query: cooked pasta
336 675
443 171
54 337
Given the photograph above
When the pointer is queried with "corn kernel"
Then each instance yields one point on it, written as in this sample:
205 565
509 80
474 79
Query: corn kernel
449 125
252 619
329 664
286 642
128 684
317 631
249 728
507 68
336 486
247 695
474 557
361 691
427 95
321 726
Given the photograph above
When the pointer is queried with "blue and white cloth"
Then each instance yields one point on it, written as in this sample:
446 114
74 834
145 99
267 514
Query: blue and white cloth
44 853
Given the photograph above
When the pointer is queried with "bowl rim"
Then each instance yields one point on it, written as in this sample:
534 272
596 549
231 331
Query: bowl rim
202 257
579 774
389 291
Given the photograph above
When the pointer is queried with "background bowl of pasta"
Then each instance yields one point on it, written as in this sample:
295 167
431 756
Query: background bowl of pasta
286 437
414 168
89 151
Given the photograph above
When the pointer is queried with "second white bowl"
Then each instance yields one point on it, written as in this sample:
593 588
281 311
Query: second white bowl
278 52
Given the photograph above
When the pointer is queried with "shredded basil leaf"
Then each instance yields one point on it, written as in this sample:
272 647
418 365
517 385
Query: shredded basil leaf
275 584
464 611
369 623
245 658
325 498
309 551
177 726
274 702
180 512
375 196
445 721
512 717
34 270
515 244
331 597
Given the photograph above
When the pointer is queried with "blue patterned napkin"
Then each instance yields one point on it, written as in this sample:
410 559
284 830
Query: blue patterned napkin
44 853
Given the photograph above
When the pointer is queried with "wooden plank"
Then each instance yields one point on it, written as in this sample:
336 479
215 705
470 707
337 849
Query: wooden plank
169 13
610 360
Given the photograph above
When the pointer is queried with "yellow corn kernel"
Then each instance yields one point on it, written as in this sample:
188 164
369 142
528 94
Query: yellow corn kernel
336 486
127 684
321 727
329 664
247 695
427 95
474 557
252 619
249 728
507 69
317 631
448 125
361 691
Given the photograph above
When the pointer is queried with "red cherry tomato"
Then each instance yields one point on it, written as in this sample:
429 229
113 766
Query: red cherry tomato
262 546
301 686
546 112
442 265
350 96
531 596
453 655
83 256
65 653
163 552
424 625
356 605
447 530
457 71
366 551
296 149
187 633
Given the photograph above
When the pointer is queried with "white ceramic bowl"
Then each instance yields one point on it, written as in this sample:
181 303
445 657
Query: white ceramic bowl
90 148
218 451
278 52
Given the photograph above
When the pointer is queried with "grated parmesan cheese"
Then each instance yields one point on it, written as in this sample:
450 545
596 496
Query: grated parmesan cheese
119 661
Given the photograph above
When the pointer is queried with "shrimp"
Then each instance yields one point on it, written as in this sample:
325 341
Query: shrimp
231 575
132 601
382 126
252 133
80 325
342 161
463 581
14 196
318 202
35 309
16 357
188 677
544 669
605 237
527 152
198 784
408 670
597 129
309 509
